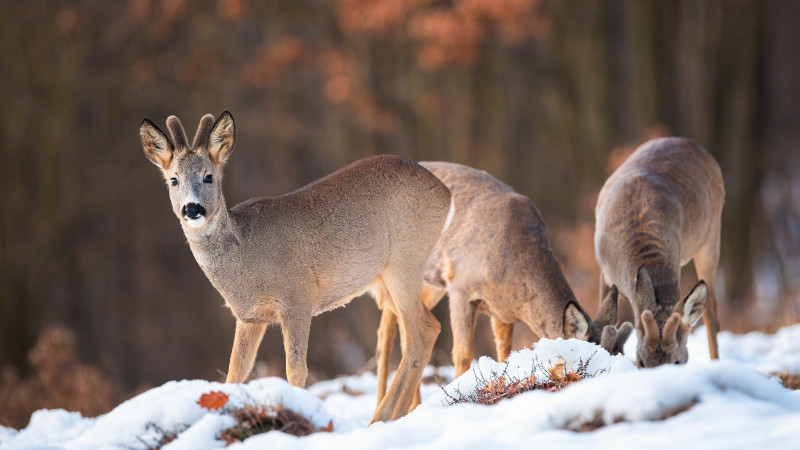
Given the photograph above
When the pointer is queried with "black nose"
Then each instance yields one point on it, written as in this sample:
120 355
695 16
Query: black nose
193 210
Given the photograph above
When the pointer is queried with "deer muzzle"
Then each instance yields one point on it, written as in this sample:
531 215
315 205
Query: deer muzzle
194 213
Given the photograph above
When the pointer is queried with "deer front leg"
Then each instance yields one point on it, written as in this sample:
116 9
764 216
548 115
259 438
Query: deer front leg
705 263
245 346
462 319
296 326
503 335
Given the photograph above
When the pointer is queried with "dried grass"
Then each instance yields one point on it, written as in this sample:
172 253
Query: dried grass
501 386
254 420
789 380
58 380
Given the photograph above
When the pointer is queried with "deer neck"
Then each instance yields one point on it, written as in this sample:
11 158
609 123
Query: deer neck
654 244
664 275
548 291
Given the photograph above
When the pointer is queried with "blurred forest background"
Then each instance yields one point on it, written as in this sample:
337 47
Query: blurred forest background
99 293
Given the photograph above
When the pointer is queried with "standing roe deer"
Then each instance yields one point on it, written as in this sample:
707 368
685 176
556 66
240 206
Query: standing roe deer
495 259
368 227
656 212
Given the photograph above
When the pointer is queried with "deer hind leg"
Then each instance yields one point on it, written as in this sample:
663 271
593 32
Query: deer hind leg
387 330
417 392
418 332
705 263
431 296
503 334
245 346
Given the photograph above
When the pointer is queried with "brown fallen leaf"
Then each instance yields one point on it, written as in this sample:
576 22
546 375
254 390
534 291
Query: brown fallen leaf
495 386
558 371
571 378
213 400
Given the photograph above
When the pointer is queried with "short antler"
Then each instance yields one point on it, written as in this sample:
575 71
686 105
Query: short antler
651 335
670 337
176 130
203 132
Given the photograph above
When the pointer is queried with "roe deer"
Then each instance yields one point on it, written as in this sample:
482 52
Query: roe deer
495 259
367 228
660 209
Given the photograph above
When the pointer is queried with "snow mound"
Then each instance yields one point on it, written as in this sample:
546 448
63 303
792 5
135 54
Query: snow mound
768 353
7 433
170 409
708 404
526 362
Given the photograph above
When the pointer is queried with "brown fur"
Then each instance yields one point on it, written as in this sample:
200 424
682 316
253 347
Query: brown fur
495 259
655 213
368 227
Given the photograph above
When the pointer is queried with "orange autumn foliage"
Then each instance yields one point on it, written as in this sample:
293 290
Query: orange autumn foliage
213 400
448 33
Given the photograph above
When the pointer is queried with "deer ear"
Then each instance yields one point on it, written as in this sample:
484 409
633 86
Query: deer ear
608 338
157 147
692 307
607 315
623 332
576 323
220 141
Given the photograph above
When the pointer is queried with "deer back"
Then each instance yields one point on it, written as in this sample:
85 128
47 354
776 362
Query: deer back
338 232
496 250
653 214
656 210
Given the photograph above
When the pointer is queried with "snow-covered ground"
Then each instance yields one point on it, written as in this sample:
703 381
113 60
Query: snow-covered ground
722 404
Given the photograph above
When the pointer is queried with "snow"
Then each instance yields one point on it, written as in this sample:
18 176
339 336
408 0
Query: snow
767 353
705 404
7 433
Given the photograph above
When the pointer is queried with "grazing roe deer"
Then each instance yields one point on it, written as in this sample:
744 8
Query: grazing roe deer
495 259
660 209
368 227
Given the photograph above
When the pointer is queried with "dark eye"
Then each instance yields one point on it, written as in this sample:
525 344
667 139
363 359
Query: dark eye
641 364
677 362
207 179
174 181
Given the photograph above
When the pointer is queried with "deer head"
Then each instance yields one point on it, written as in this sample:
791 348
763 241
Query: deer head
662 332
193 172
602 330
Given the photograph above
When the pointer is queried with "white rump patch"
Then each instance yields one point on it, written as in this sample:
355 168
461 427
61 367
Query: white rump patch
450 214
195 223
